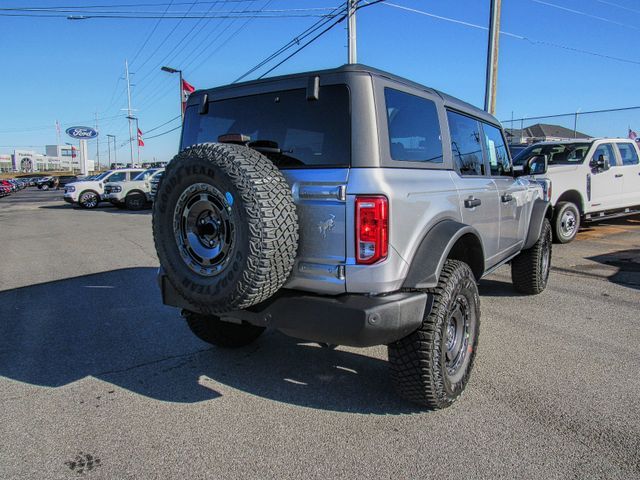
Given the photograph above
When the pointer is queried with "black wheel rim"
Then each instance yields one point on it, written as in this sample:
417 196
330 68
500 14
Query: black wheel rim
204 229
136 202
457 335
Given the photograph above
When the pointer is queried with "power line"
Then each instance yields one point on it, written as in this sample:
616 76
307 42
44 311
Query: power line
556 115
533 41
584 14
155 27
339 20
164 133
163 124
294 41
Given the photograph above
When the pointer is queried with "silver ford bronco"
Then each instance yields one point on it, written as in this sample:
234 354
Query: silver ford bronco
347 207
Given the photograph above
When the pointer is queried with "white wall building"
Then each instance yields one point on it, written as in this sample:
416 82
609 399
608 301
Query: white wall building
57 158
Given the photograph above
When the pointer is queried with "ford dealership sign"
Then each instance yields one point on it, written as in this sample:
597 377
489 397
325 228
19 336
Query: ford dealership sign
81 133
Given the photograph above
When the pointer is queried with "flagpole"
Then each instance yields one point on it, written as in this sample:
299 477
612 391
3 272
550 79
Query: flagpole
138 139
181 98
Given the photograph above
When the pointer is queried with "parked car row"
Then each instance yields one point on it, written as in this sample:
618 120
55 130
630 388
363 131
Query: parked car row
10 185
128 188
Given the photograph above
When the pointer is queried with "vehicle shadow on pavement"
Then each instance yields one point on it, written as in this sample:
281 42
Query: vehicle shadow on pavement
628 264
496 288
105 209
113 326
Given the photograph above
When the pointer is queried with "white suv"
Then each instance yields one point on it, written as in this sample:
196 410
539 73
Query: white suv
88 193
590 180
133 195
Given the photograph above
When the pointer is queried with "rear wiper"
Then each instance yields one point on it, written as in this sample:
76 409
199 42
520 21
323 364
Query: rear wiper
267 146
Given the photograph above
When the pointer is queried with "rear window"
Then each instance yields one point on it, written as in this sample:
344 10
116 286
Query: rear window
414 129
302 133
559 153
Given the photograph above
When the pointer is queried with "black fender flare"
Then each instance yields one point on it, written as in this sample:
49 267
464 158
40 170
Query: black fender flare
539 212
434 250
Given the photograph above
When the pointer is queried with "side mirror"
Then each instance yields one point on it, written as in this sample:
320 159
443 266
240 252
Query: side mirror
602 163
536 165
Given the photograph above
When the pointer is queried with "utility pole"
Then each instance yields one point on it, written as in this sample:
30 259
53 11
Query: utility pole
351 30
129 117
108 151
97 143
491 83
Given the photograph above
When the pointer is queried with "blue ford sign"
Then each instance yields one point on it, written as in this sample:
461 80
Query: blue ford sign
81 133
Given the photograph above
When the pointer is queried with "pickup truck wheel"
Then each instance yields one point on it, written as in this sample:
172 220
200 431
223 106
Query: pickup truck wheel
88 199
225 227
210 329
530 269
432 365
135 201
566 222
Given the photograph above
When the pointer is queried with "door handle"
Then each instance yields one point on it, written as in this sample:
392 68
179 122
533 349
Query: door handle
507 197
618 175
472 202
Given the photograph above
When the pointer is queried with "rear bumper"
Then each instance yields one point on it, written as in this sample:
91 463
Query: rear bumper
348 319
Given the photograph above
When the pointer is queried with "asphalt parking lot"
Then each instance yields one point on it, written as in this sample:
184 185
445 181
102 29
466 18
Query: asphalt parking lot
99 380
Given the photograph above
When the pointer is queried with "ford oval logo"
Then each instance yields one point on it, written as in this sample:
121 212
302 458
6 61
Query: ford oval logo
81 132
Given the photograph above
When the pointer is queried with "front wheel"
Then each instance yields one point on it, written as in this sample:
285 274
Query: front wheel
432 365
210 329
88 199
530 269
566 222
135 201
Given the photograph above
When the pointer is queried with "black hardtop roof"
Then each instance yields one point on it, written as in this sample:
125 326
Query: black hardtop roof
450 101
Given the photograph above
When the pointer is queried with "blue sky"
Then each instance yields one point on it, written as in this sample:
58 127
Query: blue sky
56 69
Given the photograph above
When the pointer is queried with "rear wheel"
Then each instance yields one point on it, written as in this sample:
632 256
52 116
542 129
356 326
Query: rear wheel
530 269
210 329
566 222
432 365
88 199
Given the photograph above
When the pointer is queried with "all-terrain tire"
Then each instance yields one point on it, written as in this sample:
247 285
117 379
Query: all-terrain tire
420 362
566 222
135 201
530 269
88 199
258 208
210 329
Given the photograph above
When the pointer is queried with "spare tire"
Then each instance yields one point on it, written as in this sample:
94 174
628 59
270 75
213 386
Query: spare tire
225 227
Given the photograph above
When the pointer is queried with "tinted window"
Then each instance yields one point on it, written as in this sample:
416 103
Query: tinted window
496 151
298 132
606 150
465 144
117 177
558 153
414 130
627 153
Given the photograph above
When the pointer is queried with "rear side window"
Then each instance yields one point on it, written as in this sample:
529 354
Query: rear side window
117 177
414 129
465 144
627 153
300 133
497 151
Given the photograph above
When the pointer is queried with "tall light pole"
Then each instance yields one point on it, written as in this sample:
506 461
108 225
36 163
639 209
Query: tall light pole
492 57
179 72
129 116
115 155
351 31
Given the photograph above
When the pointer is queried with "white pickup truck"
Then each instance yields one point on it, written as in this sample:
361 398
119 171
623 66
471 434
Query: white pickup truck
591 180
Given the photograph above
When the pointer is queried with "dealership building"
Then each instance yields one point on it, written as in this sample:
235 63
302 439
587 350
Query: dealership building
56 158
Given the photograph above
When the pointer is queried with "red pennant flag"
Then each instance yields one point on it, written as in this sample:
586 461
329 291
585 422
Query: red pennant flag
140 140
73 151
187 89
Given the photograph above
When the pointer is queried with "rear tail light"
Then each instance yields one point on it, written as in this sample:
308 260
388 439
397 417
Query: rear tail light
372 229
